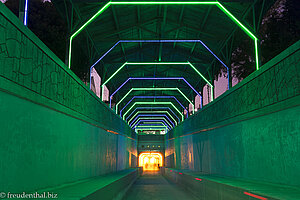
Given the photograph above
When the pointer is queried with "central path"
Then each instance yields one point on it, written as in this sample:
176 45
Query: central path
153 186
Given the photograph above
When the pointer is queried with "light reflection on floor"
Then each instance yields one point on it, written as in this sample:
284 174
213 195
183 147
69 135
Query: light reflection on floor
153 186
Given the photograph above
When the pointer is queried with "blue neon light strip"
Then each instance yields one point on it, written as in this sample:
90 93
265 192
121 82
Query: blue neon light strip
155 78
151 115
26 12
167 108
153 97
143 108
161 124
153 119
149 120
158 41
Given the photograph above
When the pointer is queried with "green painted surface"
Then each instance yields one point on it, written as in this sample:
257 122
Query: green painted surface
228 187
82 189
251 132
44 148
26 61
53 129
52 126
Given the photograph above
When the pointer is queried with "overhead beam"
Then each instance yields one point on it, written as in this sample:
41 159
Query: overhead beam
108 34
218 4
118 28
201 28
180 21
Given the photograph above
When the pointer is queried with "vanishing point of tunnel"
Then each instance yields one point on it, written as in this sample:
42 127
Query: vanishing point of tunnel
150 100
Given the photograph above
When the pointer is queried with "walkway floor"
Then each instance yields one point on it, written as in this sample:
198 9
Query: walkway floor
153 186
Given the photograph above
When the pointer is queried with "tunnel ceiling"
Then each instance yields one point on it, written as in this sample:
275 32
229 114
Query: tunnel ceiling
157 22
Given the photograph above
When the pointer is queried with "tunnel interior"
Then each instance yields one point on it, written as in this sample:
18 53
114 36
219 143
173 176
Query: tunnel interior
150 161
145 105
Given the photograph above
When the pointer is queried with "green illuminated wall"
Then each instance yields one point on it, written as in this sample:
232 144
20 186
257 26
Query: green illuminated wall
53 129
251 131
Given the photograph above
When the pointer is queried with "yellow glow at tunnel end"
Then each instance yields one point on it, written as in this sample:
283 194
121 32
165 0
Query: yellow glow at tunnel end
150 161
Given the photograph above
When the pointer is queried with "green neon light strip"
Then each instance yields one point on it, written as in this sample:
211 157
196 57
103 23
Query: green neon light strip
165 3
158 124
153 123
153 111
256 54
233 18
144 123
83 26
161 111
142 112
218 4
211 86
150 129
163 63
151 126
157 63
161 118
152 103
153 89
114 73
155 118
167 112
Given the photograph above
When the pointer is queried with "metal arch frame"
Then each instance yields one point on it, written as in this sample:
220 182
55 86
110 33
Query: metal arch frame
154 89
151 128
161 63
173 97
163 110
149 122
143 108
154 118
160 103
152 97
154 124
159 41
158 123
218 4
150 115
154 108
155 121
157 112
158 126
161 116
166 112
155 78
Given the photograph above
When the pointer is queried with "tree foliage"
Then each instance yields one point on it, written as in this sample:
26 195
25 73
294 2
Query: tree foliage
279 29
45 22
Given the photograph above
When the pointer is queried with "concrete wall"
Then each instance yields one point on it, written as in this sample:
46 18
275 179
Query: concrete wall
151 143
53 129
251 131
